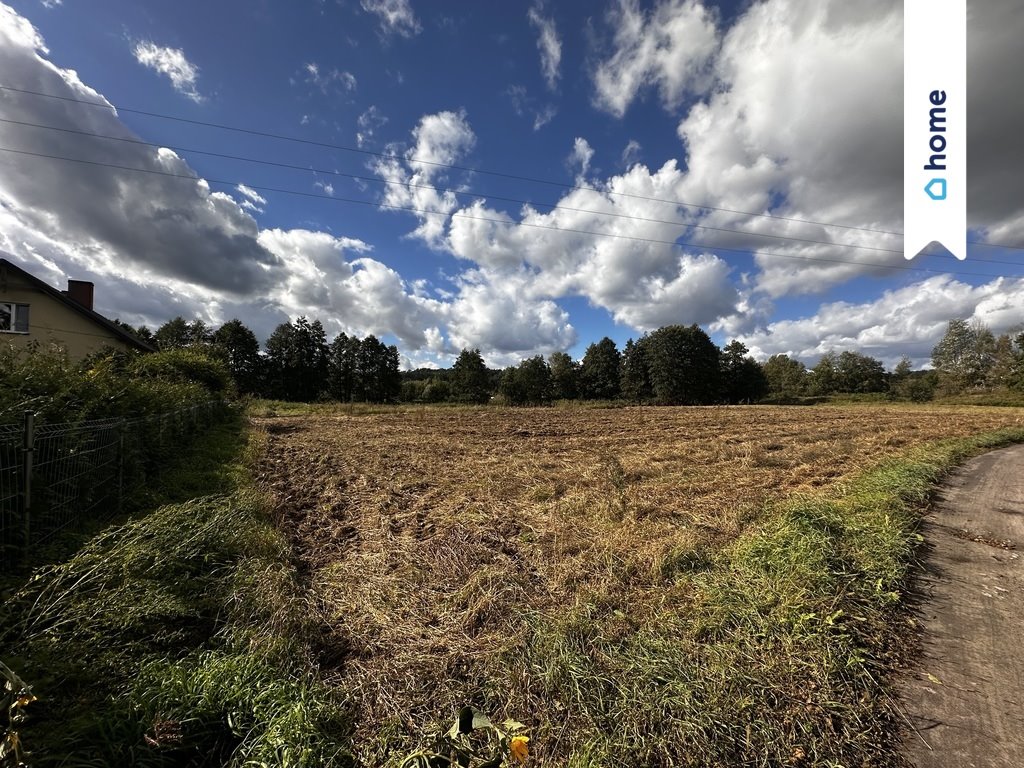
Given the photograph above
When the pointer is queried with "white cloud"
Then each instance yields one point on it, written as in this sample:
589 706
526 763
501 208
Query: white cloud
631 153
581 155
328 189
171 62
548 44
523 104
544 116
906 321
252 200
343 81
369 123
667 48
359 296
104 219
812 95
396 16
625 267
438 139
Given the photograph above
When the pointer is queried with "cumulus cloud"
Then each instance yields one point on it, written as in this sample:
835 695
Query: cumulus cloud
174 227
812 94
667 48
906 321
549 45
612 244
105 219
396 16
172 63
505 316
359 295
439 139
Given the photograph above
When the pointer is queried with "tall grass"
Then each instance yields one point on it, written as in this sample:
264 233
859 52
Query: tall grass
187 638
178 638
779 650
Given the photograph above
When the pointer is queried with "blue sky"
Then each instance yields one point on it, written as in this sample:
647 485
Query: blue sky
783 107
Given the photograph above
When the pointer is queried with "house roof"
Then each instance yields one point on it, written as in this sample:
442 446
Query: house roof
6 266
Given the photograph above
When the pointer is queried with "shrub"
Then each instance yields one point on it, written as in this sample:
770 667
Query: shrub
185 366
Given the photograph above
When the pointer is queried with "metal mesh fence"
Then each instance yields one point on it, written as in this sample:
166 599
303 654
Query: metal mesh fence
54 476
10 492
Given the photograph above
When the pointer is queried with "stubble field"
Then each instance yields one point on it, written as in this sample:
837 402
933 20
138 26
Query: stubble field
634 584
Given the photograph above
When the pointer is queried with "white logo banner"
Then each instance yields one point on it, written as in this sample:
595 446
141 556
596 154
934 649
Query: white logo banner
935 126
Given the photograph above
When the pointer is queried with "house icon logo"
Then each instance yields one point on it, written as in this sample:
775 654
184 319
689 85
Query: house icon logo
936 189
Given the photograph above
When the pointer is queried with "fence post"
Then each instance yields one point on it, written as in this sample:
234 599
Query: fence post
28 449
120 463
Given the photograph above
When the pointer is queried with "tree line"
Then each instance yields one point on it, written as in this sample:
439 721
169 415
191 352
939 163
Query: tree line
674 365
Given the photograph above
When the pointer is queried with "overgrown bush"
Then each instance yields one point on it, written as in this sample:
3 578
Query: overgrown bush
110 384
184 366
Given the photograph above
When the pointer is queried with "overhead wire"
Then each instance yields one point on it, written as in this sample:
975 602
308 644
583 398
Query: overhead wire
459 214
459 192
465 192
553 206
451 166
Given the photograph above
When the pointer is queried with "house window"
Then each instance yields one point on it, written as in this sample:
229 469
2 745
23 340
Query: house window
13 318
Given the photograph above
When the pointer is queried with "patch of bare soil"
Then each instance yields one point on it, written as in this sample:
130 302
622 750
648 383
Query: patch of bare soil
964 700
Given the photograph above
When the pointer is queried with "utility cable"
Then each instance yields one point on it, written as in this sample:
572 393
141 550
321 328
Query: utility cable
451 166
468 169
411 209
460 192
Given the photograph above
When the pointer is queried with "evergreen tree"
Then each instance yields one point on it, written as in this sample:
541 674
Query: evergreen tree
743 380
527 384
343 369
297 360
379 370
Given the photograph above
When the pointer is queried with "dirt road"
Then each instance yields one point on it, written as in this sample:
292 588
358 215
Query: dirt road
965 699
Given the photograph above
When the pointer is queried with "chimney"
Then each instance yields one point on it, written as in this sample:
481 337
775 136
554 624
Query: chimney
80 292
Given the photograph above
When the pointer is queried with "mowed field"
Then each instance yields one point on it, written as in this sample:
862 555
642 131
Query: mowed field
617 579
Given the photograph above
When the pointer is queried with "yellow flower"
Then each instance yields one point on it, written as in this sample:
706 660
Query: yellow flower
518 748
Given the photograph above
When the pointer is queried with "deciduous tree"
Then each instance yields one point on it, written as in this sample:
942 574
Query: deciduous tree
600 371
470 380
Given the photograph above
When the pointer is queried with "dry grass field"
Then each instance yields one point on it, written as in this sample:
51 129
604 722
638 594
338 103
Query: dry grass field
565 567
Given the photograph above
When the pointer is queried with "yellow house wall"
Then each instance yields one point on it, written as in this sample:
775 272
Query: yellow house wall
51 322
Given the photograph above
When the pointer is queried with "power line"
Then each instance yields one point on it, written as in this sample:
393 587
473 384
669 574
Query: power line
464 192
567 230
461 192
500 174
468 169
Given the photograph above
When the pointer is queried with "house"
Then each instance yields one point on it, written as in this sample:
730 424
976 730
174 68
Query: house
31 310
